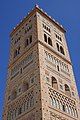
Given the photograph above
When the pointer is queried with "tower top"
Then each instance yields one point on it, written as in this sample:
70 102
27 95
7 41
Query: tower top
37 6
38 9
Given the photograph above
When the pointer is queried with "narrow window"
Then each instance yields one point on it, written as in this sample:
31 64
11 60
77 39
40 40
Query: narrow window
58 67
45 38
66 109
57 104
63 107
54 102
15 53
26 43
67 90
57 46
62 50
70 112
76 114
56 35
60 39
21 70
45 26
73 113
18 50
49 41
54 83
30 38
49 30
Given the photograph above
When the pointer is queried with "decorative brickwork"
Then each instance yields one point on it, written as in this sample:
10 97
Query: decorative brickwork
40 81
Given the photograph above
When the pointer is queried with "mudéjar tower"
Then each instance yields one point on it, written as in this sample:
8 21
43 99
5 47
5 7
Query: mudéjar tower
40 82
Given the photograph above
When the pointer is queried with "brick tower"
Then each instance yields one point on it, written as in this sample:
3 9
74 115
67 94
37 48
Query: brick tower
40 83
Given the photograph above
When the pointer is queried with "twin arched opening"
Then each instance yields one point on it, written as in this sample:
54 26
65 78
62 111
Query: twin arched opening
47 40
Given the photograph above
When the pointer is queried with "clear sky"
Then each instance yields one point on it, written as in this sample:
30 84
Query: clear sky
66 12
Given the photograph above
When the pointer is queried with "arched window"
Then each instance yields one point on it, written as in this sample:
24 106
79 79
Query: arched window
14 94
45 38
76 114
54 102
62 50
61 106
66 109
49 41
54 83
57 104
67 90
25 86
49 30
50 100
70 112
57 46
73 112
45 26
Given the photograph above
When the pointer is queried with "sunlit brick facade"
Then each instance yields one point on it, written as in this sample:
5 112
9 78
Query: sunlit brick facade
40 82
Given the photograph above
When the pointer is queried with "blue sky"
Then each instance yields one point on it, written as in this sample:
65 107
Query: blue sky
66 12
